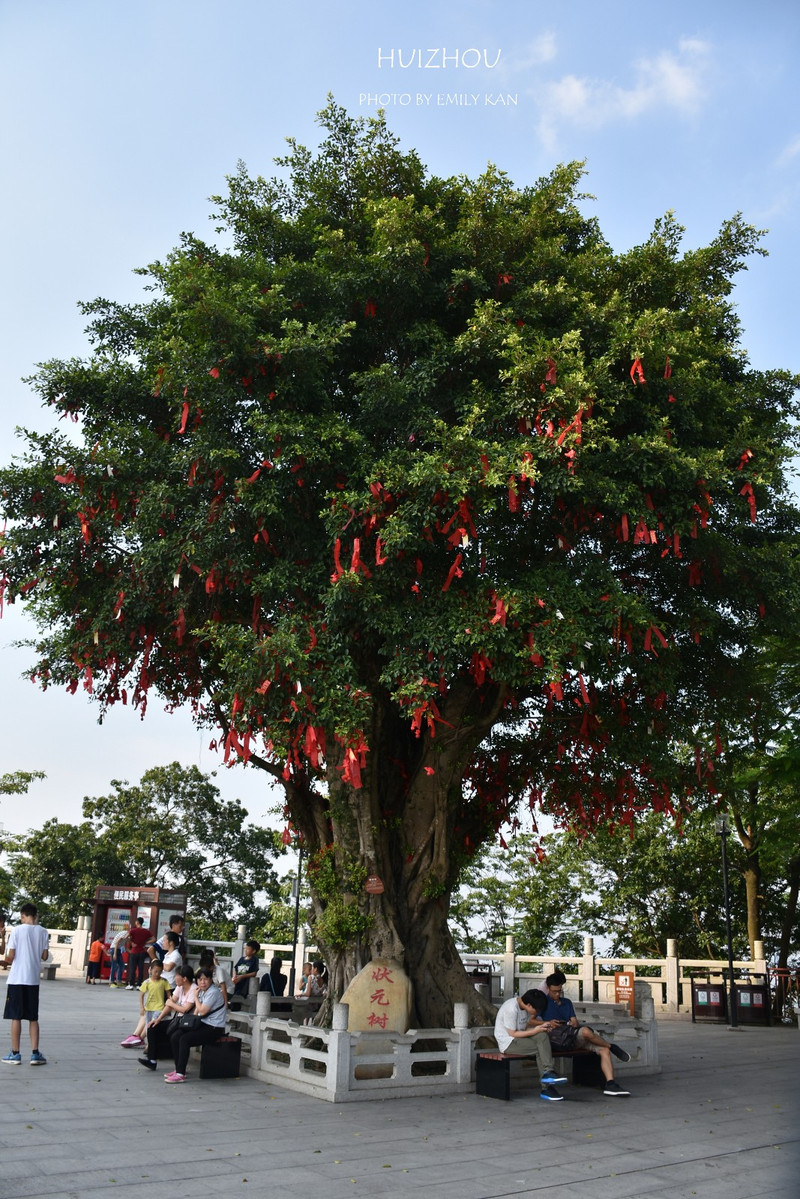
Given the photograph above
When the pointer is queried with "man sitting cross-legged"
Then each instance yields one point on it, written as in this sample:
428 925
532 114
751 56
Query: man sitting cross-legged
516 1033
567 1033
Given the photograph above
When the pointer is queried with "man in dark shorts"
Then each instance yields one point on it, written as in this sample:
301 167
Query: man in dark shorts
570 1034
137 953
28 946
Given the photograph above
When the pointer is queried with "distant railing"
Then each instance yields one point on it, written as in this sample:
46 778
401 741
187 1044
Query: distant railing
590 977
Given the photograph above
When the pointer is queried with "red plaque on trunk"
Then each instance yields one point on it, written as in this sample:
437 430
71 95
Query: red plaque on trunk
373 885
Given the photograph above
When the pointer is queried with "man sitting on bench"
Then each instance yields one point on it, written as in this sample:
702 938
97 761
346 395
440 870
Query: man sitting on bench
517 1034
567 1033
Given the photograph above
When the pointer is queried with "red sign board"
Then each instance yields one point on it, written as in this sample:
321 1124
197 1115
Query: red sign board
623 988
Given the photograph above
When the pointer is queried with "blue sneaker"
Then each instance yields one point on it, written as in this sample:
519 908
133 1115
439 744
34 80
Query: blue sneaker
38 1059
550 1094
12 1058
549 1078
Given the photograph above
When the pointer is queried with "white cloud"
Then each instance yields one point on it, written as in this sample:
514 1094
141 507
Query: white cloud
673 80
541 49
789 152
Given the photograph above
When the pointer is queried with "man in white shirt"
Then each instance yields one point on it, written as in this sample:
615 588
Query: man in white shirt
516 1034
28 946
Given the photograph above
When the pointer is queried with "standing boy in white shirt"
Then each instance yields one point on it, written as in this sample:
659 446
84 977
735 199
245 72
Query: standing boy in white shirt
27 948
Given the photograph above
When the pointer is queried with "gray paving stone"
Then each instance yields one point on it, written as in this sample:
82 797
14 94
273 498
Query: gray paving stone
720 1122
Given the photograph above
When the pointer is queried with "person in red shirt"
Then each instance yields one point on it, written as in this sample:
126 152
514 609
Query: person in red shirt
137 953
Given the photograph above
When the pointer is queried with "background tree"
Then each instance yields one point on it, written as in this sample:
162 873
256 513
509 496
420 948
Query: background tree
17 782
429 501
172 829
634 891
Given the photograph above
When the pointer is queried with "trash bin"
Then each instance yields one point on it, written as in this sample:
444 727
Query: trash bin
709 1000
753 1000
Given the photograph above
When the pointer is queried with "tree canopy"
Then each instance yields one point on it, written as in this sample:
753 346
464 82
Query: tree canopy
425 498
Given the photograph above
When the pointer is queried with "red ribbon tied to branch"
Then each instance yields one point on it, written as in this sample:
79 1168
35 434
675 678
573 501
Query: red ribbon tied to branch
747 491
637 373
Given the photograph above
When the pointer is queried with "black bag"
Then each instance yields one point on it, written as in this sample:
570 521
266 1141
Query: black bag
189 1023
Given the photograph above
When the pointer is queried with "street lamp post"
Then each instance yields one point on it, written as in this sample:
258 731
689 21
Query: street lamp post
296 893
723 831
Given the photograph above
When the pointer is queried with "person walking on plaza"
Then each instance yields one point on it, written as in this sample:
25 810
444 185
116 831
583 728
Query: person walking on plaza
519 1030
137 953
567 1033
118 942
27 947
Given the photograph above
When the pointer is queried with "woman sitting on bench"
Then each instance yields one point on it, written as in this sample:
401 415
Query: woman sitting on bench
210 1007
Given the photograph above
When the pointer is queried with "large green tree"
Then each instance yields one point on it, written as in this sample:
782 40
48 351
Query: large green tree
425 498
171 829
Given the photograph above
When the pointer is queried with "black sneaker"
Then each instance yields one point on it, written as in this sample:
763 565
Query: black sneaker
622 1054
613 1088
145 1061
550 1094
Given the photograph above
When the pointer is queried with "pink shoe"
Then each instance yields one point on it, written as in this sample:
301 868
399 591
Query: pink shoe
174 1077
131 1041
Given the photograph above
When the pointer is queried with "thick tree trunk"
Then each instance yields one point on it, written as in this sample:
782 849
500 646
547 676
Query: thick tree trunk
409 826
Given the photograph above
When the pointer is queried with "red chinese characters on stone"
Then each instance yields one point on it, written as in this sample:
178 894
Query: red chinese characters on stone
379 997
375 1020
382 974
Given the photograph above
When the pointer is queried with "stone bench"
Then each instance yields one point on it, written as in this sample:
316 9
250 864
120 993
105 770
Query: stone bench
48 970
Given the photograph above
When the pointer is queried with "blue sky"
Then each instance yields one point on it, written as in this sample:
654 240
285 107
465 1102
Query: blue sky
118 121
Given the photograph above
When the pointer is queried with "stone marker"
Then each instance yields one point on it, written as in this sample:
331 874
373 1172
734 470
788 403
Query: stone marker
379 1000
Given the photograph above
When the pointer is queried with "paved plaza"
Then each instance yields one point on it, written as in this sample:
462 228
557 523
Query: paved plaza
722 1119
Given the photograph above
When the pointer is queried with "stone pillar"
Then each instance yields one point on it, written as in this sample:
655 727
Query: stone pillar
237 949
299 957
509 969
759 958
587 970
672 974
263 1008
463 1046
337 1077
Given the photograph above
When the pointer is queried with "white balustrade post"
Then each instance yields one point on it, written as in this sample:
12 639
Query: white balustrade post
299 957
263 1008
673 976
588 970
337 1077
759 958
509 969
463 1047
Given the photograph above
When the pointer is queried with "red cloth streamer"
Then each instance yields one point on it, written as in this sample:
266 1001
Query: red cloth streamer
551 376
746 491
637 373
648 639
455 571
337 550
584 692
184 416
380 557
668 369
370 308
500 612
